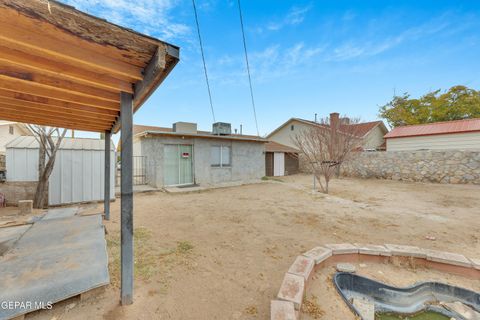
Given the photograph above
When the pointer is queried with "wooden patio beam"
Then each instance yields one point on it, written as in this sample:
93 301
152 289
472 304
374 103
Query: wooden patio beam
15 98
34 88
51 123
64 70
54 113
148 84
38 43
48 116
71 111
12 70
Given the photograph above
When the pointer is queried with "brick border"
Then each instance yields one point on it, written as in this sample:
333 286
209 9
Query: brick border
289 300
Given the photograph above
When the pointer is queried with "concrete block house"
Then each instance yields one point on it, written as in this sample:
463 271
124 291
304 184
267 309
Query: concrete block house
183 155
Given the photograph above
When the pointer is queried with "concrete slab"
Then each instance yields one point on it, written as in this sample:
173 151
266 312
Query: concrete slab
406 251
58 213
292 289
282 310
302 266
342 248
319 254
373 249
55 259
448 257
8 236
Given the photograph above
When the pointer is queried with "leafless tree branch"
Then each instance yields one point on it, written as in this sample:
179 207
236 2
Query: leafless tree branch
327 144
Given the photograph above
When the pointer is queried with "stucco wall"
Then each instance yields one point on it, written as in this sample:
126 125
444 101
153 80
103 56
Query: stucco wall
374 139
428 166
285 135
457 141
247 158
6 137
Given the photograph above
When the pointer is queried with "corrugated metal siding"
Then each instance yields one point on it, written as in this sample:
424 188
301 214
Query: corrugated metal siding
458 141
77 175
22 164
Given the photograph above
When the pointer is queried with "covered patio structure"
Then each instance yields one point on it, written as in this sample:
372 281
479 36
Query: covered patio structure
64 68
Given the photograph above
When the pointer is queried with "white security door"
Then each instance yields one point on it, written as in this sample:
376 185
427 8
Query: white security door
178 165
278 164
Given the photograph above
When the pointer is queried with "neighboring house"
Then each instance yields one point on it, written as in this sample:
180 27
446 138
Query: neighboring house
280 160
77 176
458 135
11 130
182 155
371 132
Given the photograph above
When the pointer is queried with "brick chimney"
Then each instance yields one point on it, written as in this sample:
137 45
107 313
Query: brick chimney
334 125
334 120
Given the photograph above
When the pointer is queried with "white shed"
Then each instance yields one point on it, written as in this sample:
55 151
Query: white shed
78 172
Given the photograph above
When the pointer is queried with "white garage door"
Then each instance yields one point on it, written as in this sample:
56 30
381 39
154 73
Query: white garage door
278 164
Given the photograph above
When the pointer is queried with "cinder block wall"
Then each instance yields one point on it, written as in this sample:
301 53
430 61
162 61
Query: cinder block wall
458 167
248 160
15 191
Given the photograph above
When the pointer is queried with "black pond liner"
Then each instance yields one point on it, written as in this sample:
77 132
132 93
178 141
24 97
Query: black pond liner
409 300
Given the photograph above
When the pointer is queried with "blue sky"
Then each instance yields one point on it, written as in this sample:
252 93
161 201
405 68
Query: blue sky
306 57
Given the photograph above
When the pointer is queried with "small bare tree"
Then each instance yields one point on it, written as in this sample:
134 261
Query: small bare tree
327 145
49 140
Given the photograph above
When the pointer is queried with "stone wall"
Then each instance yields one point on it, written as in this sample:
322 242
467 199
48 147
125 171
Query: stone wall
15 191
426 166
2 161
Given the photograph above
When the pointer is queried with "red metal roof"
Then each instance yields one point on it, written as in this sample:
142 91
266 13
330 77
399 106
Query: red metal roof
447 127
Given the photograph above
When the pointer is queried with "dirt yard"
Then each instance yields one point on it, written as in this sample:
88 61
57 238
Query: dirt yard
222 254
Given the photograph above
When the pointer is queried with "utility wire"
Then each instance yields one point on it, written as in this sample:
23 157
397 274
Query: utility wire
203 59
248 66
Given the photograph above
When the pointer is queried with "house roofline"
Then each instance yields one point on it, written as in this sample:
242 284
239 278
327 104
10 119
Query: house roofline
312 123
202 136
431 134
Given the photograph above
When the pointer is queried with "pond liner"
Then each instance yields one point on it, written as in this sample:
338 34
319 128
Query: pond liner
408 300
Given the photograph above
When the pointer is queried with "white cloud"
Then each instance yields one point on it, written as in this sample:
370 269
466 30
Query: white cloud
295 16
147 16
272 62
351 49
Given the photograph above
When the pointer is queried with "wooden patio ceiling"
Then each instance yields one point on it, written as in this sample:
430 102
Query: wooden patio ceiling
64 68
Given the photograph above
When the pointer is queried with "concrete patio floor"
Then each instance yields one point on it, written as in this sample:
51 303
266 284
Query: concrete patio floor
57 257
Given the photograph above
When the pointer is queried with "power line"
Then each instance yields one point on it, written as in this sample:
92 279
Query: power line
203 59
248 66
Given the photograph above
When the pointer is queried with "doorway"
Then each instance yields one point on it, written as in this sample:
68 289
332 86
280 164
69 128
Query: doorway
279 164
178 165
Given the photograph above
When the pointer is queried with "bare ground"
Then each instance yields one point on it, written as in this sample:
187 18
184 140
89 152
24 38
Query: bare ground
222 254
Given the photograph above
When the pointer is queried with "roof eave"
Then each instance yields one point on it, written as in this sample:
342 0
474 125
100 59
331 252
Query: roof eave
204 136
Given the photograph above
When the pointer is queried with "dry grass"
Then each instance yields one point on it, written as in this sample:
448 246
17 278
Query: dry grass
150 259
311 307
